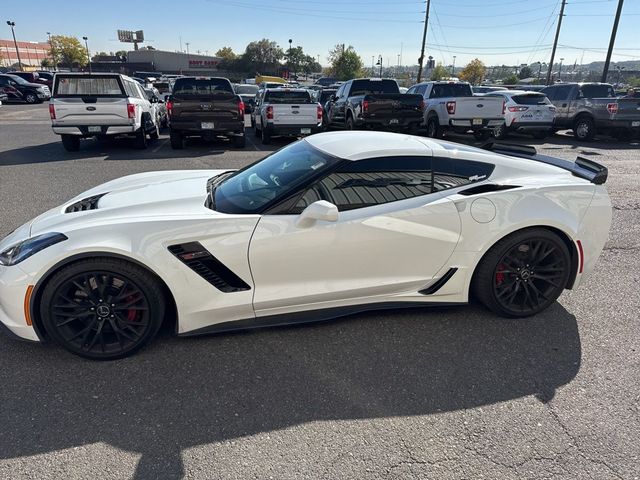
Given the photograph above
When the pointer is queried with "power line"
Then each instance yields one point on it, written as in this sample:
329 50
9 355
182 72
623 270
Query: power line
477 27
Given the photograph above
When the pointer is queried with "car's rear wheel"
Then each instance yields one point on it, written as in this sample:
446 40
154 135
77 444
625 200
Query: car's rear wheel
175 137
584 129
350 125
155 133
523 273
500 132
239 141
140 141
71 143
433 128
265 136
102 309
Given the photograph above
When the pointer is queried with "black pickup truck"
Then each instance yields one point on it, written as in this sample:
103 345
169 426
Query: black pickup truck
205 107
374 103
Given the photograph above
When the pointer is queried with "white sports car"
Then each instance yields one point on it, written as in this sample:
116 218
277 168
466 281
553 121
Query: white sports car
333 224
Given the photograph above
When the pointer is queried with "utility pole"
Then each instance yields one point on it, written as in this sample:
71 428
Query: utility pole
53 58
424 41
13 24
555 42
612 41
86 44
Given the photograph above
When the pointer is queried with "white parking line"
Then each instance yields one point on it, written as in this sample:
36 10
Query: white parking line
160 145
248 137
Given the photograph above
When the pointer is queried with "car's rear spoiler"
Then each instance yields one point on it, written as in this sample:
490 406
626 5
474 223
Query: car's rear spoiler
582 167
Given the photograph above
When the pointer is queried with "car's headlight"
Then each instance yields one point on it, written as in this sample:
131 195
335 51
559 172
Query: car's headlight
23 250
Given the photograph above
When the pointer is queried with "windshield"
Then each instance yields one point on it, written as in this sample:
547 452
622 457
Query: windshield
18 79
270 180
531 99
285 96
246 89
198 87
365 87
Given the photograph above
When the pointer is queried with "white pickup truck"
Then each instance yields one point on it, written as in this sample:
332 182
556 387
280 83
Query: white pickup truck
101 105
452 106
285 112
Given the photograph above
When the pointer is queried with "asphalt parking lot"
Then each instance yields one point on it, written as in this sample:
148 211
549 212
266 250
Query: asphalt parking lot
433 393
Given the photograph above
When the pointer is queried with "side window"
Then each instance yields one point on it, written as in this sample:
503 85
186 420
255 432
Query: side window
128 88
563 92
371 182
422 89
141 93
550 92
4 81
452 173
340 91
412 90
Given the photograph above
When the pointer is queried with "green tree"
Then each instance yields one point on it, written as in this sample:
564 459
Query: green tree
474 72
44 63
525 72
262 56
68 51
439 73
295 58
310 65
226 53
345 62
510 80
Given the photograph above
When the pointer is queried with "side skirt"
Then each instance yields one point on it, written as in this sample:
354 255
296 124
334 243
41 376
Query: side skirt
310 316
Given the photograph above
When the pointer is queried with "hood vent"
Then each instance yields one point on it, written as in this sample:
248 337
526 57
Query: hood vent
89 203
200 260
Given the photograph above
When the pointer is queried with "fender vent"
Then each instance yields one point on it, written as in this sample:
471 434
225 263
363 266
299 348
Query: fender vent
438 284
486 188
89 203
200 260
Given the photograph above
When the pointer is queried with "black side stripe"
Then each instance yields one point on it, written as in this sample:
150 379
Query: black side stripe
200 260
434 287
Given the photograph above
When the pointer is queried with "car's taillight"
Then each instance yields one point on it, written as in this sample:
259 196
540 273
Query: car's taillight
319 113
169 108
451 108
52 111
241 109
421 105
365 106
518 109
131 110
612 108
269 112
504 107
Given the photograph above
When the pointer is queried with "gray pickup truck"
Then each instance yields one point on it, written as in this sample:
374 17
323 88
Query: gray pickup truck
590 108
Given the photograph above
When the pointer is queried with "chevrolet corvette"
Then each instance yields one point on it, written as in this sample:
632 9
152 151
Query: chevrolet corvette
330 225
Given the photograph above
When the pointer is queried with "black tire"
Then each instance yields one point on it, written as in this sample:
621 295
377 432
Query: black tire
481 135
155 133
140 141
433 128
542 134
523 273
584 129
71 143
500 132
350 124
175 137
31 98
239 141
265 136
102 309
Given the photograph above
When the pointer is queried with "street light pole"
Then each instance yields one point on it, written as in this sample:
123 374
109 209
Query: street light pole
53 59
560 70
539 70
86 44
13 24
453 68
380 62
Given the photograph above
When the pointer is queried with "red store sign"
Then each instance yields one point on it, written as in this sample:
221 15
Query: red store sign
202 63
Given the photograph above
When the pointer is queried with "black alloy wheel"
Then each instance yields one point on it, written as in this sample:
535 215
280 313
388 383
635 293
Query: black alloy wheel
102 309
30 98
523 274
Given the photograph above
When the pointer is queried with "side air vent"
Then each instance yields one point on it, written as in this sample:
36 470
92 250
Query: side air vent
486 188
89 203
438 284
200 260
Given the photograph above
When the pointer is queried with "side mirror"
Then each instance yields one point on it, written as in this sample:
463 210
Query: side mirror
153 99
333 98
320 210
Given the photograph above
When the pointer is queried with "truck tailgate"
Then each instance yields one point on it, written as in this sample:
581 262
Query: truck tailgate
90 111
303 114
628 109
221 108
477 107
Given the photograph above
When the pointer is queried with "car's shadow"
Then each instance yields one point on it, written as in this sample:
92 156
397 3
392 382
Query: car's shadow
180 393
121 149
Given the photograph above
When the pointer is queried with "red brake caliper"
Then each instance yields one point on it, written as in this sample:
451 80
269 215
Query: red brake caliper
131 313
500 274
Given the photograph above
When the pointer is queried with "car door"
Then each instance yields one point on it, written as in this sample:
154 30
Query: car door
392 237
338 106
9 87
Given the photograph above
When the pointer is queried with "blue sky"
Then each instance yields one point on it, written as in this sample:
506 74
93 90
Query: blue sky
498 32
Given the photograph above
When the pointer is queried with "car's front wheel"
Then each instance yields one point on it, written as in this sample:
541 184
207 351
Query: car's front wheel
523 273
102 309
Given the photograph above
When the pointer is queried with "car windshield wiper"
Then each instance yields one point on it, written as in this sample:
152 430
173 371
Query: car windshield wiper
212 184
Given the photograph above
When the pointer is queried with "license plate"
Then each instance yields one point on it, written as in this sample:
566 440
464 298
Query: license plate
305 131
635 124
95 129
477 121
393 121
207 126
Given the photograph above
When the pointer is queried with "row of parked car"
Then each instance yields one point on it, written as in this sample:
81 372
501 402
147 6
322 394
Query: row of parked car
85 105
